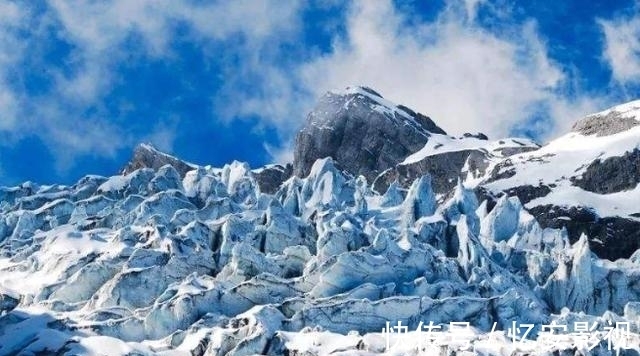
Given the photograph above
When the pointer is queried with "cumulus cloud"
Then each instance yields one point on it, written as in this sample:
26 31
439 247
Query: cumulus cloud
11 16
281 155
99 29
69 116
622 48
471 7
463 75
466 78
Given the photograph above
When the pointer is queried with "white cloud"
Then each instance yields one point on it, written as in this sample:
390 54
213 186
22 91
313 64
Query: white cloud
255 20
280 155
11 16
69 119
622 48
99 28
8 109
471 7
263 83
464 77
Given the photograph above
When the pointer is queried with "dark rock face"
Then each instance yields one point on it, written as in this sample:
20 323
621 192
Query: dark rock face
361 133
146 156
610 237
604 125
444 169
478 135
271 177
477 163
502 170
7 303
614 174
527 193
510 151
366 135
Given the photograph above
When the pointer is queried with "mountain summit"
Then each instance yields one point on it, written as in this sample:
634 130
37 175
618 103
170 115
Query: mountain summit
147 156
368 135
363 132
609 122
575 181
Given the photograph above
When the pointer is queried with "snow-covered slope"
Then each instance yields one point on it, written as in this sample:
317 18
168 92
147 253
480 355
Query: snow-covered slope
469 157
440 144
592 171
448 159
563 161
206 264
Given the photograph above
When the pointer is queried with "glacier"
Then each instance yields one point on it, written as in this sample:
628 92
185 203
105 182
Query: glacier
412 243
150 262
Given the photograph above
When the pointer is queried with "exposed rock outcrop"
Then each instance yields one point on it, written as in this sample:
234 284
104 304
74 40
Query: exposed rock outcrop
147 156
364 133
608 122
270 177
445 170
611 175
610 237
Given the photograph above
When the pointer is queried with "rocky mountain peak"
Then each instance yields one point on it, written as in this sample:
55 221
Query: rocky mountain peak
146 155
363 132
609 122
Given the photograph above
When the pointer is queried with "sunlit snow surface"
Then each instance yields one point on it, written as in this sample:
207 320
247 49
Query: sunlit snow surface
152 263
568 156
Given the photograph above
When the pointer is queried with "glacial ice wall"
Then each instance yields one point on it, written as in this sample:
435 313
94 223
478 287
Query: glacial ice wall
152 263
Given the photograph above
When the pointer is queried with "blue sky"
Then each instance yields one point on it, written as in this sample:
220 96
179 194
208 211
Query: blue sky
83 82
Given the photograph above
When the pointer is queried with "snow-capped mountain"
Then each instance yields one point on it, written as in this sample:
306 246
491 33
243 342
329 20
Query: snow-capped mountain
147 156
317 258
585 180
371 136
365 133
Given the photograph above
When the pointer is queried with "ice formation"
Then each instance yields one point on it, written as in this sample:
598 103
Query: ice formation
149 263
171 258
